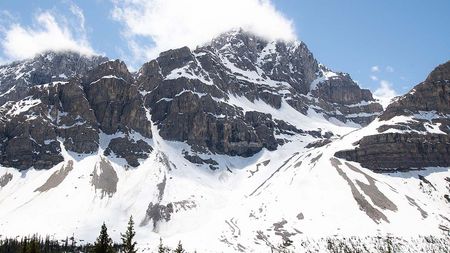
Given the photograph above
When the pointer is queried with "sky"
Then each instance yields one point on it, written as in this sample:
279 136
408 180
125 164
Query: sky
386 46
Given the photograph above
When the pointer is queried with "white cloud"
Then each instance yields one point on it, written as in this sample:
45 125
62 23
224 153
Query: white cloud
375 69
385 93
176 23
374 78
47 33
390 69
78 12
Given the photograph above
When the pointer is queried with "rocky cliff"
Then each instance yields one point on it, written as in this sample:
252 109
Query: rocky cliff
197 96
86 105
73 113
414 130
17 77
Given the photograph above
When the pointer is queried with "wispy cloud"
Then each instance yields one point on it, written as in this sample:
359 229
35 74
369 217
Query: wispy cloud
176 23
47 33
384 93
374 78
390 69
375 69
78 12
6 18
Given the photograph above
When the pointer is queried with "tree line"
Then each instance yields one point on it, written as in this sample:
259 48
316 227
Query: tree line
103 244
128 244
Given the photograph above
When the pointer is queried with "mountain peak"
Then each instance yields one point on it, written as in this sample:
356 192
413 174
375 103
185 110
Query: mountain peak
430 95
239 34
440 73
51 54
47 67
413 131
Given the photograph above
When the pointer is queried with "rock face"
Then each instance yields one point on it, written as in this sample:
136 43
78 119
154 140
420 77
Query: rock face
56 178
157 213
432 95
341 89
343 95
73 113
104 178
116 103
5 179
129 149
384 152
67 101
193 94
422 140
16 78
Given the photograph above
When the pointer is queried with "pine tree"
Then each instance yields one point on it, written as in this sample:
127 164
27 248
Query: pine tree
179 248
104 243
73 242
24 245
66 243
128 245
33 246
161 248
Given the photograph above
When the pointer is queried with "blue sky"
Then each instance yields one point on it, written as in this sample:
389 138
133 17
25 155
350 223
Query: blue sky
410 36
384 43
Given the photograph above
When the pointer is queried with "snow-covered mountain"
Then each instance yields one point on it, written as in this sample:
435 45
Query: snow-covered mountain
48 67
235 146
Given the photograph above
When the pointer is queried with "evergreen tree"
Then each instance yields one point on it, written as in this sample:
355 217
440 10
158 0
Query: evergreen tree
33 245
179 248
73 242
161 248
128 245
104 243
24 245
66 243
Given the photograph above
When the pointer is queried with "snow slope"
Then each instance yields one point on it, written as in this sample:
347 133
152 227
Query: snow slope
248 205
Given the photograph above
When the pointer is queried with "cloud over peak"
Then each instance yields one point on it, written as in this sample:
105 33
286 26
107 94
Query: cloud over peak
47 33
176 23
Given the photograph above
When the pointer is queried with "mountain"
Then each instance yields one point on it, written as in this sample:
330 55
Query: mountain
237 146
47 67
414 130
198 97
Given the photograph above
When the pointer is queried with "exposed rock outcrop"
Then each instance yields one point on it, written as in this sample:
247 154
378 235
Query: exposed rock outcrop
432 95
73 112
117 104
30 128
400 151
420 141
56 178
17 77
130 150
104 178
159 213
197 97
5 179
